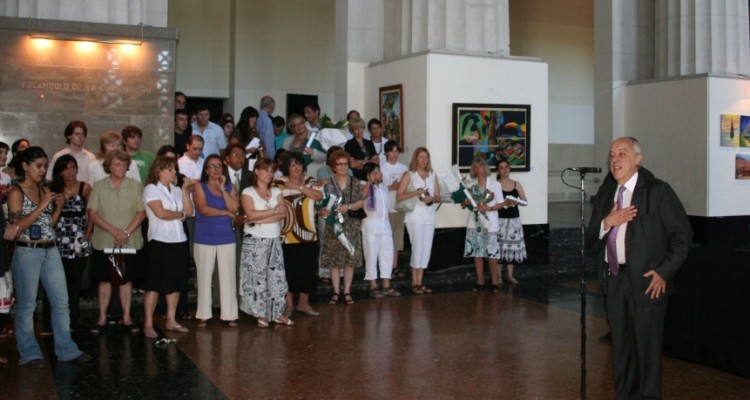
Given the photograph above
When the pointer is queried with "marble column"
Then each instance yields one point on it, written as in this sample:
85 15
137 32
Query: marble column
701 36
471 26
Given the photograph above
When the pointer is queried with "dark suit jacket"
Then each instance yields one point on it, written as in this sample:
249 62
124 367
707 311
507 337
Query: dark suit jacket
657 238
246 179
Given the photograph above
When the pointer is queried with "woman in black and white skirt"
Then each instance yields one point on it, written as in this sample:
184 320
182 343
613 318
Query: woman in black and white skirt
510 235
263 285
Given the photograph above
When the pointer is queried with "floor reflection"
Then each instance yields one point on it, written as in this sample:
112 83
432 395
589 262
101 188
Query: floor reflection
521 343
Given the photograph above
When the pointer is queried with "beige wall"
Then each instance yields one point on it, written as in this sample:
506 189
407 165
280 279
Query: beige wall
561 33
203 47
275 48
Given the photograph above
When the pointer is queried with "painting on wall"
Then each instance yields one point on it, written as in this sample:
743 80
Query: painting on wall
730 130
391 100
742 166
494 131
744 131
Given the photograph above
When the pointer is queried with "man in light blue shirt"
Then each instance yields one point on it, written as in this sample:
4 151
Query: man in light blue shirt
265 125
213 135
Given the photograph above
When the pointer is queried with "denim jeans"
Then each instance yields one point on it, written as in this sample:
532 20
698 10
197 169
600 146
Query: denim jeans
29 266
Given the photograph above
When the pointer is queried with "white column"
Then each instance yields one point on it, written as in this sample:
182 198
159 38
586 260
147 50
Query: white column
702 36
466 26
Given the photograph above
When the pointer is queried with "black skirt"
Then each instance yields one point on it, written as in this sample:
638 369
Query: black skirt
167 268
301 266
100 267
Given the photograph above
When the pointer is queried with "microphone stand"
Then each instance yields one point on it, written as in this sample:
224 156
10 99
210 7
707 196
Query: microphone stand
583 288
582 171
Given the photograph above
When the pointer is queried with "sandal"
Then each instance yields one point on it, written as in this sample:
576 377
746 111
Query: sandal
477 288
416 289
231 324
334 299
97 330
376 293
202 323
495 288
348 299
426 290
150 334
285 321
163 342
178 328
391 292
132 328
512 281
263 324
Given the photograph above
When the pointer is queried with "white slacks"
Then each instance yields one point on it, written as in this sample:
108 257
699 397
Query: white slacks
205 258
378 251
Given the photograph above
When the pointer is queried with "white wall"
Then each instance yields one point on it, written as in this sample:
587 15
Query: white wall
433 82
726 195
677 122
669 119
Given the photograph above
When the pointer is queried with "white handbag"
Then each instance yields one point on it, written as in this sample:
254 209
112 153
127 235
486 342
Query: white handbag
6 293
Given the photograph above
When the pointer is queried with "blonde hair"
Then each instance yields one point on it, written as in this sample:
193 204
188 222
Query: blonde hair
483 163
413 163
107 138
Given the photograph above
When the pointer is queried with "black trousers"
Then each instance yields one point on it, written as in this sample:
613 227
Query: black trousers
637 340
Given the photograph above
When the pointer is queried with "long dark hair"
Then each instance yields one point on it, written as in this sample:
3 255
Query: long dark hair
27 156
243 126
14 152
58 183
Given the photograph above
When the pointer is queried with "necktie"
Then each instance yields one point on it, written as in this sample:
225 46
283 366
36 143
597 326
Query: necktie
614 266
236 179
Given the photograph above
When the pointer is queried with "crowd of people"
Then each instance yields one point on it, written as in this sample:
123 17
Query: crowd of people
272 206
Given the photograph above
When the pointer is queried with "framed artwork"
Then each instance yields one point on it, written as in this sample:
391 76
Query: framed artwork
496 131
391 100
730 130
742 166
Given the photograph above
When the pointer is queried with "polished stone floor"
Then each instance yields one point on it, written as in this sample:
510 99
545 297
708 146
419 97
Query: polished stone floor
521 343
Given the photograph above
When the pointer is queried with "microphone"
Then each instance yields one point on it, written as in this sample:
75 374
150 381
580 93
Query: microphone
586 170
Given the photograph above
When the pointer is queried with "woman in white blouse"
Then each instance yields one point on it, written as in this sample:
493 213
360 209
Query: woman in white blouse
263 285
420 222
168 259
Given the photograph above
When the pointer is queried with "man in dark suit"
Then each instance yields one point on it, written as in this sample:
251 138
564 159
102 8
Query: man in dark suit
237 169
644 235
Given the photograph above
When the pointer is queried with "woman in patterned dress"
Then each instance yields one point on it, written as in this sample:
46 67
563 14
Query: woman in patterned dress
300 240
73 232
263 284
510 234
481 241
335 255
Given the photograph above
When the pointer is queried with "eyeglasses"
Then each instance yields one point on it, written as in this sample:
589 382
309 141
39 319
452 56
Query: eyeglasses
214 166
342 164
